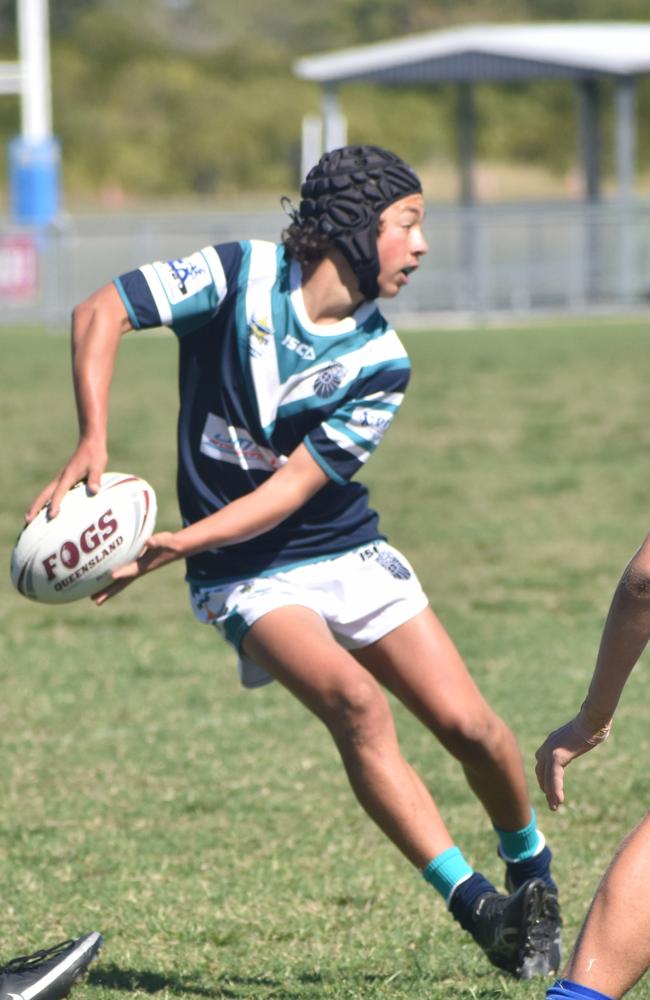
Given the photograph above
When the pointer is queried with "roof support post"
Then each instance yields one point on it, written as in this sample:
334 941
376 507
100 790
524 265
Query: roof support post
335 126
590 138
469 241
466 124
625 135
625 164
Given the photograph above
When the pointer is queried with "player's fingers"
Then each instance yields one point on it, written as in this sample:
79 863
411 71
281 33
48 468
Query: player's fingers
555 789
539 770
39 502
545 774
56 498
94 477
542 771
105 595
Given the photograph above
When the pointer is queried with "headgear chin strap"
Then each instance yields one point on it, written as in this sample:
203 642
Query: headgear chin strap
346 192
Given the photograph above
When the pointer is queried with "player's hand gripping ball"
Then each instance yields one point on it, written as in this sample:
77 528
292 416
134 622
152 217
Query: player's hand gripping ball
73 555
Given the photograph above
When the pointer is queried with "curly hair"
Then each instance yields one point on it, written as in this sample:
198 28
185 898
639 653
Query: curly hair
305 242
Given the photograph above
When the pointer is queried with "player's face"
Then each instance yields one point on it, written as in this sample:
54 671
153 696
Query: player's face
400 243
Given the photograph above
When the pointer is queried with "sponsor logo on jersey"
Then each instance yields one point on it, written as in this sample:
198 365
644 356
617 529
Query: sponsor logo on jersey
235 445
328 381
370 423
183 276
304 351
260 332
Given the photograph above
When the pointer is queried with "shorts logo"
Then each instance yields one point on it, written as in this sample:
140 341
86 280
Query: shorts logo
396 568
328 381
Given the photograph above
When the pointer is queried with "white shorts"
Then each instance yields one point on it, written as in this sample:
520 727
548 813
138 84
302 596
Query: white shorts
362 595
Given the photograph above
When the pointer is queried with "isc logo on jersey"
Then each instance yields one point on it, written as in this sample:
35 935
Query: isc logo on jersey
183 277
304 351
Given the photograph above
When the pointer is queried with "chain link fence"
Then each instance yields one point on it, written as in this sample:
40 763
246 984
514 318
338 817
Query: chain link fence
483 262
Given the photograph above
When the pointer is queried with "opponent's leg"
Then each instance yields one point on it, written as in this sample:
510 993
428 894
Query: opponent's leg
613 948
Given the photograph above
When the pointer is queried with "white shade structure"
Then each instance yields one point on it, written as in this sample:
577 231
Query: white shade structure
582 52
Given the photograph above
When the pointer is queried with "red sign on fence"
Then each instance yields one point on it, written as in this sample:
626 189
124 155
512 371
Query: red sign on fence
18 267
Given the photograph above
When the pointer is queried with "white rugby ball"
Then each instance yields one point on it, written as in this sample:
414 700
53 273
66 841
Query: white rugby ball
73 555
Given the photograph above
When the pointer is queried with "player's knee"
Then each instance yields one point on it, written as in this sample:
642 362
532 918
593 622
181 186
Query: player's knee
475 738
636 578
358 714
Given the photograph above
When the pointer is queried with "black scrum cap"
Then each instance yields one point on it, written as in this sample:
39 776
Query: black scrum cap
346 192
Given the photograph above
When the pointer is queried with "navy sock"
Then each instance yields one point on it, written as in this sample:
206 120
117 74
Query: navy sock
463 901
564 989
538 866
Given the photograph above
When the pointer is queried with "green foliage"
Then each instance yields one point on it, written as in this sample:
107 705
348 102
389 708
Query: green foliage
210 832
191 97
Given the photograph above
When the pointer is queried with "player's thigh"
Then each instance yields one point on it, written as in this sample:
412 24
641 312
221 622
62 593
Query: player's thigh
297 648
420 664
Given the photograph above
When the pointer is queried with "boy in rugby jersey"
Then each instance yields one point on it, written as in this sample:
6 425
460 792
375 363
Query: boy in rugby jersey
289 378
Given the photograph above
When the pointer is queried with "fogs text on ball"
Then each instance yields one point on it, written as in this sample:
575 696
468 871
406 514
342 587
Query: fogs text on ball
73 555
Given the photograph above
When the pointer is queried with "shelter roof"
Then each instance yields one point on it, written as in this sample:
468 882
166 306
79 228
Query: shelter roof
574 50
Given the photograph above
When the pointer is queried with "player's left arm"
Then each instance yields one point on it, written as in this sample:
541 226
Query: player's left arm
283 493
624 638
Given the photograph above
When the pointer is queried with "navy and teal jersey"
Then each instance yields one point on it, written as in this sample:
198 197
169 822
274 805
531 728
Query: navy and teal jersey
256 378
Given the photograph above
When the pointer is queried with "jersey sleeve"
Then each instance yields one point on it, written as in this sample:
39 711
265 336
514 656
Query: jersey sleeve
346 439
184 293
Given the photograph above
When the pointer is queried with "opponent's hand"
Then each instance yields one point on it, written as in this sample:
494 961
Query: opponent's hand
560 747
88 462
161 549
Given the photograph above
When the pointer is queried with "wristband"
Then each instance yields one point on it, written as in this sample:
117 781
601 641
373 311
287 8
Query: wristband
585 728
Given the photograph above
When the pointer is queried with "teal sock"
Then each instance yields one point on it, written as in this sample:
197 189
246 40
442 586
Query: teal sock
518 845
446 871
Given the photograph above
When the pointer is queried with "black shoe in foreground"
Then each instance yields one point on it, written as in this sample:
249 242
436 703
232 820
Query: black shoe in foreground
49 974
517 932
550 925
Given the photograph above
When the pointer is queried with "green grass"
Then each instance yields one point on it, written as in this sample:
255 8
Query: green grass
210 832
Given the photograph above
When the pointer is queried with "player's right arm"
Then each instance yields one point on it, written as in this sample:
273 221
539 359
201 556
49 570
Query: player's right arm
97 326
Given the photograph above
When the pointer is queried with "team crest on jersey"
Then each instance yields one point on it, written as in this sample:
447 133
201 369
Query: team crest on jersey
184 276
260 332
328 381
396 568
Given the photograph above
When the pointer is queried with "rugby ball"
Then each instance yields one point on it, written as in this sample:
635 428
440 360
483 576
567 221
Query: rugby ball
73 555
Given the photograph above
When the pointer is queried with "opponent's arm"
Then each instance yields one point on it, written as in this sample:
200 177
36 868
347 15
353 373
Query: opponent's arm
97 325
283 493
624 638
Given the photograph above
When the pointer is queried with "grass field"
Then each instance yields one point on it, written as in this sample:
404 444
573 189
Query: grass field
209 832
